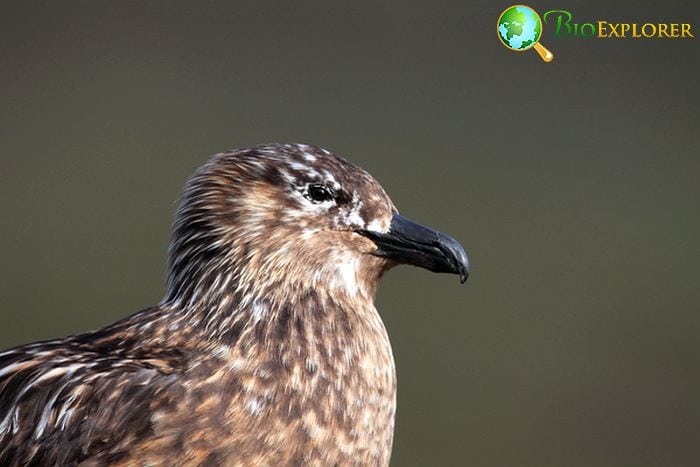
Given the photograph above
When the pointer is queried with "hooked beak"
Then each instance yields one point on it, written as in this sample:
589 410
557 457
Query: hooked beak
410 243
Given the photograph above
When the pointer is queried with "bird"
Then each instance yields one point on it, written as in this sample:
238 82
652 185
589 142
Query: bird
266 349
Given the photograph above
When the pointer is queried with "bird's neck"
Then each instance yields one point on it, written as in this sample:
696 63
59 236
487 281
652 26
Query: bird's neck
223 299
277 312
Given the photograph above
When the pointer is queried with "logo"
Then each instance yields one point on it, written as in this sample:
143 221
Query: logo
519 28
564 26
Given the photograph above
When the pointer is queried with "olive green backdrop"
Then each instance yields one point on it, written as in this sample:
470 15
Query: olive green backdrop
575 187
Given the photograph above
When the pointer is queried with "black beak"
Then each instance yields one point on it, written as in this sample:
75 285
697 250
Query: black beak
410 243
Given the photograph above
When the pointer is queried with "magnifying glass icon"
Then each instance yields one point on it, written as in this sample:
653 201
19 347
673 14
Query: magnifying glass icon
519 28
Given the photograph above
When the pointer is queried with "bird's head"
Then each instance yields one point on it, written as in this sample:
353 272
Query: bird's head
280 218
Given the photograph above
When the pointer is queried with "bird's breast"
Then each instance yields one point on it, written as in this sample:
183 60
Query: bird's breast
320 391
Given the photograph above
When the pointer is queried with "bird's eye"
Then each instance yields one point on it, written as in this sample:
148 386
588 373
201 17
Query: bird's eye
319 193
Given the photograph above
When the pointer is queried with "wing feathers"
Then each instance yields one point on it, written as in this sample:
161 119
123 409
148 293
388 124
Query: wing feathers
62 402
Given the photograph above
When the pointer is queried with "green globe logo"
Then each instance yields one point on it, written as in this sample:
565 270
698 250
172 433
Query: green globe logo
519 28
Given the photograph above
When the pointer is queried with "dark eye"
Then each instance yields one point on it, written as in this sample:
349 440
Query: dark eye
319 193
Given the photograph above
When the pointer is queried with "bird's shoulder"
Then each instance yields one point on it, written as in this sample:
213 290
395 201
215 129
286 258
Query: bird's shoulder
63 400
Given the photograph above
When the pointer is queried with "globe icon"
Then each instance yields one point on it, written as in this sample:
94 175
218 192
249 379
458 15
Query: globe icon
519 28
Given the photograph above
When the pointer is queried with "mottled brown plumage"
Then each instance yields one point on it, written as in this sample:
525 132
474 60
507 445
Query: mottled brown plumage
267 348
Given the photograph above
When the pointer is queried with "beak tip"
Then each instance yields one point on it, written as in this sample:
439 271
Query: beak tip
461 261
463 271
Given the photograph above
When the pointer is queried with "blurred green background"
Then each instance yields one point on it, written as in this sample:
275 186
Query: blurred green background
575 187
